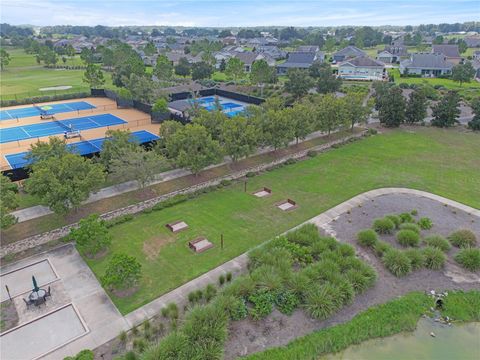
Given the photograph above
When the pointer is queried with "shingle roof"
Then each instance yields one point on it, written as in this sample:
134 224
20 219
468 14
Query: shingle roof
363 61
350 51
429 61
447 50
299 60
246 57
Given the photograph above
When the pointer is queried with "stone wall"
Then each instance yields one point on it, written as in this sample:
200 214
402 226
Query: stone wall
43 238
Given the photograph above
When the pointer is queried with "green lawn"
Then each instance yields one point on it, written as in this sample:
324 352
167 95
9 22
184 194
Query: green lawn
444 162
472 86
23 77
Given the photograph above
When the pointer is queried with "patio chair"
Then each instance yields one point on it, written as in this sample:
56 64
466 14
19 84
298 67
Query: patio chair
27 302
41 300
48 294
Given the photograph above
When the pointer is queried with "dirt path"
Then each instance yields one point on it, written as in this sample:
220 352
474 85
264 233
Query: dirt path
246 336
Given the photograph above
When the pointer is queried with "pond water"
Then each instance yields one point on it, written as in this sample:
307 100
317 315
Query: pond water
456 342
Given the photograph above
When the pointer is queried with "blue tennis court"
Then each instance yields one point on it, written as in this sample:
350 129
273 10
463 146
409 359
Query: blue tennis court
36 111
228 107
85 147
58 127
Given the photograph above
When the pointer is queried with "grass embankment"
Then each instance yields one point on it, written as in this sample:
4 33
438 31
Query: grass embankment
379 321
23 77
443 162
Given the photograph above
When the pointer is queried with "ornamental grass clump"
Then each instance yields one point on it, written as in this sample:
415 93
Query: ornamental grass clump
437 241
395 219
462 238
367 238
416 258
434 259
397 262
425 223
383 225
469 258
408 238
322 300
410 226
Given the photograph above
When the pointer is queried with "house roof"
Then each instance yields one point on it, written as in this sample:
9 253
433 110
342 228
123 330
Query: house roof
429 61
397 50
299 60
363 61
447 50
246 57
472 41
350 51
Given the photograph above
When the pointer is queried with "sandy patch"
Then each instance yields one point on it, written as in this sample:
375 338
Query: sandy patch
152 246
53 88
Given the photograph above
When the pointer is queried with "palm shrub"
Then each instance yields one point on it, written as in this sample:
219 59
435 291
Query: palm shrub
322 300
395 219
397 262
425 223
410 226
383 225
416 258
367 238
408 238
462 238
434 258
469 258
437 241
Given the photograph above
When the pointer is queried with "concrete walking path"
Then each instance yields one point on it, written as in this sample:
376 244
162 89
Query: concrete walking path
37 211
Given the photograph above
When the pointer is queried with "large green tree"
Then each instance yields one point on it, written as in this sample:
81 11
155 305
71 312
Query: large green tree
91 236
392 108
356 109
326 81
4 58
8 201
93 76
416 110
212 121
137 164
117 143
239 137
41 150
201 70
301 116
277 128
63 183
192 147
474 124
262 74
163 68
463 72
446 111
329 113
183 68
235 68
123 271
298 82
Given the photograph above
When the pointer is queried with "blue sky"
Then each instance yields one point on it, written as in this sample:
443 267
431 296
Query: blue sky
237 12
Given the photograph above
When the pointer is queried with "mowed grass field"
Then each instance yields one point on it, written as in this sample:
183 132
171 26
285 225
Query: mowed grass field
444 162
23 77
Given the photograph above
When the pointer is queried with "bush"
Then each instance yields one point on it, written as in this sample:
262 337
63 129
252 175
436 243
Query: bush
250 174
91 236
383 226
406 218
397 262
286 302
226 182
408 238
123 271
238 309
262 304
82 355
434 258
410 226
381 247
416 258
462 238
469 258
118 220
172 346
425 223
311 153
228 277
210 292
438 241
290 161
414 212
367 238
322 301
395 219
372 131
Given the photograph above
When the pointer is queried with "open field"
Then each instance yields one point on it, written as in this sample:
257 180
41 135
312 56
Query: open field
440 161
23 77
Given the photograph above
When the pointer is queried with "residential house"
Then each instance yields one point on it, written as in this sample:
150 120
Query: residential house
348 52
175 57
426 65
472 41
272 50
476 55
476 66
361 68
177 47
449 51
229 40
248 58
297 60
